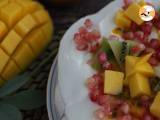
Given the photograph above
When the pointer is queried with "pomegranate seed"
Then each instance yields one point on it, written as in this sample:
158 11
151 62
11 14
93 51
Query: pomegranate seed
128 36
147 117
125 108
154 43
134 27
153 61
147 28
139 35
157 55
82 30
135 49
125 117
107 66
93 48
82 47
96 35
100 114
102 57
88 23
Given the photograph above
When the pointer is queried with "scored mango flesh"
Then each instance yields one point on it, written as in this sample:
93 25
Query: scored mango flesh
25 30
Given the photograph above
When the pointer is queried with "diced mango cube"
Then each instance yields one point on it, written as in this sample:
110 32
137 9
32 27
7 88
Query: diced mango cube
25 25
133 13
41 16
3 30
121 20
36 41
11 41
3 59
23 56
139 85
113 83
10 70
155 107
142 2
28 6
130 64
144 59
145 69
117 31
10 17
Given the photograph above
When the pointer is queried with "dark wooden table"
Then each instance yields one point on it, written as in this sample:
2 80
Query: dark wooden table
63 18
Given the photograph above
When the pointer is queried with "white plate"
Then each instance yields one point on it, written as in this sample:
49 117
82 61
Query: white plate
73 70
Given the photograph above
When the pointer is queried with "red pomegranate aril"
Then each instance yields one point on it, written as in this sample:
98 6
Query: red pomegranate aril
88 23
135 49
125 117
107 66
102 57
147 28
153 61
147 117
93 47
100 114
139 35
82 47
128 35
125 108
134 27
158 54
154 43
82 30
95 34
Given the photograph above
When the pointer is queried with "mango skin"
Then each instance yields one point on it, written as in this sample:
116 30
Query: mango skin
25 30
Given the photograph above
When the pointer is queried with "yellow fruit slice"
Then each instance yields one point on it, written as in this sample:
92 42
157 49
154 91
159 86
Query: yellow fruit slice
23 56
155 109
25 30
10 14
3 59
132 12
10 70
24 26
139 85
11 41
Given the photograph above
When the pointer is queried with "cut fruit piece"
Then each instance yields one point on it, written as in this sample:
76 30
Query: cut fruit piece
155 109
11 41
133 13
133 44
113 82
144 59
120 50
36 41
3 59
3 30
25 25
139 85
10 14
121 20
145 69
48 31
10 70
129 66
41 16
28 6
23 56
142 2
